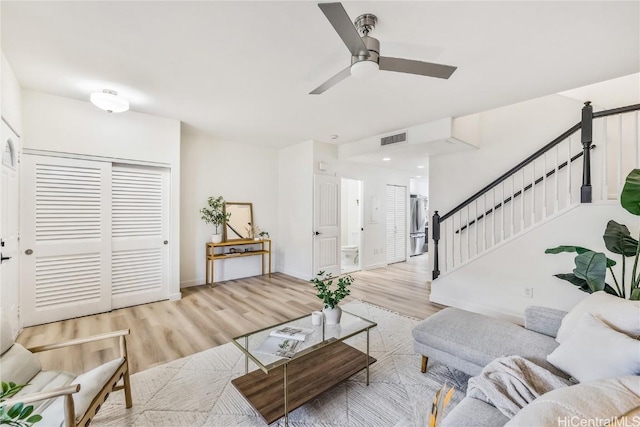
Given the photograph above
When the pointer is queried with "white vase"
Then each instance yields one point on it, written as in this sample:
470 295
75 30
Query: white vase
216 238
332 315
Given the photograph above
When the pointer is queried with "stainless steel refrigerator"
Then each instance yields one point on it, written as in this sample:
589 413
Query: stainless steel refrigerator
418 232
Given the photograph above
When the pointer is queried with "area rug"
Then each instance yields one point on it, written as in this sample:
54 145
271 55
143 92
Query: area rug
197 390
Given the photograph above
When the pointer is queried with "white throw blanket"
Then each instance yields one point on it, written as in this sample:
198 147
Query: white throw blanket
511 382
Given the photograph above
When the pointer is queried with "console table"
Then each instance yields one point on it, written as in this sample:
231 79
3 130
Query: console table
211 256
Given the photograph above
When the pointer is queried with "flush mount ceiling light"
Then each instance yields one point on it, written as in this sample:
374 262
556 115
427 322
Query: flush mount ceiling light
364 69
109 101
421 167
386 159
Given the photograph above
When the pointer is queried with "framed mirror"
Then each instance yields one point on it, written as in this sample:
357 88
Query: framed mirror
238 226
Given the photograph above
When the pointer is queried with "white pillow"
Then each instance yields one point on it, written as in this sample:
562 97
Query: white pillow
621 314
576 405
594 351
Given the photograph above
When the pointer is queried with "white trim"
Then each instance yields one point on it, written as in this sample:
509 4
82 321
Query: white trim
10 127
94 158
191 283
296 274
453 302
378 265
175 297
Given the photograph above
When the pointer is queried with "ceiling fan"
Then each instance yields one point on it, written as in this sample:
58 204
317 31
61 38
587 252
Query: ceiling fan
365 50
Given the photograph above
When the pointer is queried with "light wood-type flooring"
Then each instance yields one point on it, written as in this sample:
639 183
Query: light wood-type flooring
205 317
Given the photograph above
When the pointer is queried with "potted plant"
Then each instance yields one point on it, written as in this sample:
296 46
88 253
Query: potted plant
263 235
330 298
18 414
214 214
591 266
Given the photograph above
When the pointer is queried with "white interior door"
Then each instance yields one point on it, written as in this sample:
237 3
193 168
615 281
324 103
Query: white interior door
140 251
396 229
326 220
65 259
9 210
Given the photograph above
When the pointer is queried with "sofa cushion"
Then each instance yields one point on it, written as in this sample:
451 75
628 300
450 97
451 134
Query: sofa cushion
480 339
594 351
19 365
91 383
621 314
576 405
474 412
43 381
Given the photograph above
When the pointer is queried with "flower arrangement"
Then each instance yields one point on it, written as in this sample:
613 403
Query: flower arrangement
440 403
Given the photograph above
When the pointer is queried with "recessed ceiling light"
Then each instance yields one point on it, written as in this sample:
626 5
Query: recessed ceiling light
109 101
386 159
418 176
334 136
420 167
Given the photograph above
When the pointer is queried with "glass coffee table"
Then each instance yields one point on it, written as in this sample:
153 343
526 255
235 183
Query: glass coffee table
320 362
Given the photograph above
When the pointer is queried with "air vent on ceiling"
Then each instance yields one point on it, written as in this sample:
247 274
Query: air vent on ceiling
393 139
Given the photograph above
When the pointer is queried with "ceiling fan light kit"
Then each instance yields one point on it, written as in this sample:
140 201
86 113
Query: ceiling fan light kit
109 101
365 50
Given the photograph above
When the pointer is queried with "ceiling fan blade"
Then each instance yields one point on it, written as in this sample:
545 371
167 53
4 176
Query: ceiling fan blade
332 81
341 22
416 67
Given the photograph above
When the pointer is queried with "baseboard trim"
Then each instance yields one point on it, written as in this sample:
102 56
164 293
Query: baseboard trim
374 266
190 283
175 297
475 308
296 274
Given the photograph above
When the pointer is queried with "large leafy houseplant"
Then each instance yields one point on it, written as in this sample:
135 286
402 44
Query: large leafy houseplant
19 414
330 298
591 266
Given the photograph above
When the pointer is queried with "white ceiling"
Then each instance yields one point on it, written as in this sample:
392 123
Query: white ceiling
242 71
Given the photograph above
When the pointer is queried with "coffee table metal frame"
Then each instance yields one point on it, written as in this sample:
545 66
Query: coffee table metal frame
326 339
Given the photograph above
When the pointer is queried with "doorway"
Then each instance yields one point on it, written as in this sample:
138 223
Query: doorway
351 230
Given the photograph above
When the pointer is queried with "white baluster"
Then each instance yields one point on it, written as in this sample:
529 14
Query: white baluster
446 250
484 222
544 185
513 204
502 212
468 230
494 215
460 233
605 180
557 182
620 182
533 192
476 225
522 201
568 167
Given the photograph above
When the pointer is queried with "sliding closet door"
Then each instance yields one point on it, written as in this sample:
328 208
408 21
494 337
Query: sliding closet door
66 238
140 251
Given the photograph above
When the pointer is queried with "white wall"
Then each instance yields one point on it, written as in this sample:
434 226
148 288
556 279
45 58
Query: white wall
54 123
295 207
239 173
11 100
419 187
494 283
11 97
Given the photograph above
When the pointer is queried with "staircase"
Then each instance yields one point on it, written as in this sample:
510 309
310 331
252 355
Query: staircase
588 162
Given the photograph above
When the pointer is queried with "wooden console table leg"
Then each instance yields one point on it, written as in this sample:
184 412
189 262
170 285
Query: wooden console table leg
206 263
269 258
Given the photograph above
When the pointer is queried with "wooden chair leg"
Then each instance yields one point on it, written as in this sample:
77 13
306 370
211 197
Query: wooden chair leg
423 368
127 389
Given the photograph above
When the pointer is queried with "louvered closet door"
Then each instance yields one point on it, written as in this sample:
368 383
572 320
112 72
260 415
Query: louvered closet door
396 230
66 239
140 217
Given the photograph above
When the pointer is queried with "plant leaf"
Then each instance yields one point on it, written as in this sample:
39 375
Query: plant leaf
630 196
15 410
618 240
571 278
34 419
576 249
608 289
635 295
592 267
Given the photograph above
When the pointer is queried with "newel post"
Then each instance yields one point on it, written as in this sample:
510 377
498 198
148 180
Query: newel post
586 139
436 237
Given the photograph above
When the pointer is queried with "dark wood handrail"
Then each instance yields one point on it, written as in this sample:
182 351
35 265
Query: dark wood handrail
585 190
519 192
573 129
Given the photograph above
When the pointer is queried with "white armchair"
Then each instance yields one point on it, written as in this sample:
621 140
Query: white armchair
62 398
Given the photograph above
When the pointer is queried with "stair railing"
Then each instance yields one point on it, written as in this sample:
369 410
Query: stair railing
472 227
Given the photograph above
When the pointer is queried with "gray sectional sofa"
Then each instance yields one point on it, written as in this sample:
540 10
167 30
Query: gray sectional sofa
469 341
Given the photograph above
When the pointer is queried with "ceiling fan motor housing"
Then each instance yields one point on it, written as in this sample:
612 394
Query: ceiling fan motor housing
373 46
